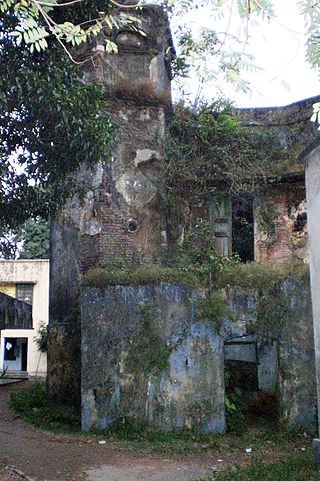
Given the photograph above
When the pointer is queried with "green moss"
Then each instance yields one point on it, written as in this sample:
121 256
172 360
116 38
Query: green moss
268 217
138 276
212 308
147 353
259 276
273 312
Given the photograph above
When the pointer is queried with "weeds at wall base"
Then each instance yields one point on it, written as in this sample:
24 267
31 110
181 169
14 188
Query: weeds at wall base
298 468
126 433
32 405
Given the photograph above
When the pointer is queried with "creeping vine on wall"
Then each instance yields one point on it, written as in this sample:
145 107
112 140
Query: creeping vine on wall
209 149
147 352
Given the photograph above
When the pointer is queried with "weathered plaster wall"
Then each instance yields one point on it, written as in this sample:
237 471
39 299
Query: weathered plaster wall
312 164
282 313
122 211
183 387
188 389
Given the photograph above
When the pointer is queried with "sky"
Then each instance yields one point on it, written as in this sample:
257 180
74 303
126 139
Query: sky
279 50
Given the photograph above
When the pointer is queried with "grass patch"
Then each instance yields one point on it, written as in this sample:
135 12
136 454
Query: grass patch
249 275
255 275
298 468
138 276
132 434
31 404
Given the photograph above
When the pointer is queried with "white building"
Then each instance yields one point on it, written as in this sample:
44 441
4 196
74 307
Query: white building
28 281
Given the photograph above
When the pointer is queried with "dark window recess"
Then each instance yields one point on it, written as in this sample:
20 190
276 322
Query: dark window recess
24 355
11 349
300 222
242 228
24 292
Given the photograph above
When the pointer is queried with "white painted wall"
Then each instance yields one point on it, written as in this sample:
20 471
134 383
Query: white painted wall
313 202
34 271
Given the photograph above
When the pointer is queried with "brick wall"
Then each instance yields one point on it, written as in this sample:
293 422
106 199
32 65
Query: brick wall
284 235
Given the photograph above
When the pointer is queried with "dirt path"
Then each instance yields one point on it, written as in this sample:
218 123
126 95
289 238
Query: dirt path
45 457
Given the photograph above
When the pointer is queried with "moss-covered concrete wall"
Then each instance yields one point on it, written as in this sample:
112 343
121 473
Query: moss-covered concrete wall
119 211
283 313
146 356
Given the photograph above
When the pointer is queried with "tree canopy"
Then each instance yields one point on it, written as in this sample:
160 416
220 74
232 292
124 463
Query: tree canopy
37 20
29 241
50 123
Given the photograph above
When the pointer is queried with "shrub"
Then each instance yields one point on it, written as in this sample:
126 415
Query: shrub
26 400
256 275
42 338
32 404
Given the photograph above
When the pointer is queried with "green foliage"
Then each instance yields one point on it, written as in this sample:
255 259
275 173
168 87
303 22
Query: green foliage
196 255
212 307
209 149
297 468
29 241
259 276
36 240
50 124
147 351
42 337
235 420
32 404
24 401
268 216
36 21
139 276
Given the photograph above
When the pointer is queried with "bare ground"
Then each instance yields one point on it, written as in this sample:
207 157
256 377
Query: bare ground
28 454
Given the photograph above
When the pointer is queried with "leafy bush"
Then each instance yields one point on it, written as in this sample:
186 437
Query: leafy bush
32 398
42 338
235 420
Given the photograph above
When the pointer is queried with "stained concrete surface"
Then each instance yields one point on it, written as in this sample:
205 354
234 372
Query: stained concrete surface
165 471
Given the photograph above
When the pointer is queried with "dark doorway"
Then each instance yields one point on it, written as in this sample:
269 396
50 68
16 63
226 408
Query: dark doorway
251 365
24 355
243 228
15 353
